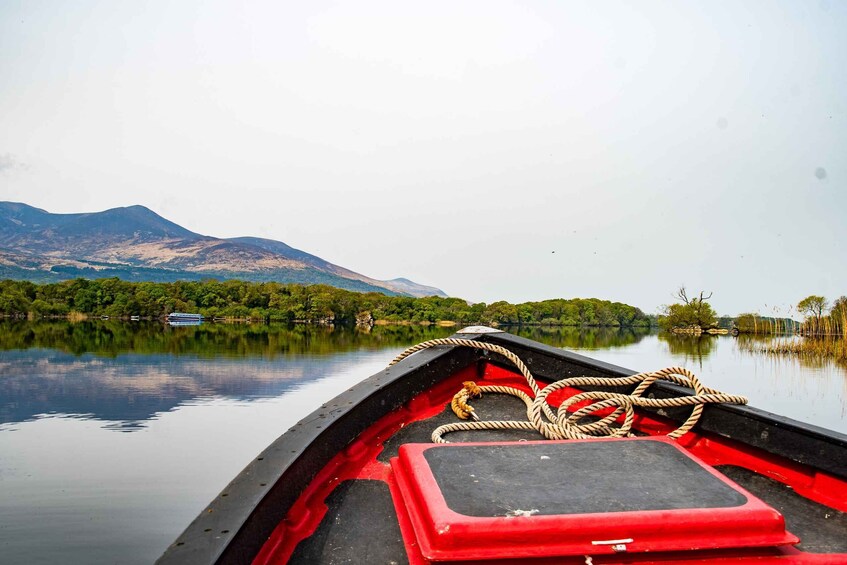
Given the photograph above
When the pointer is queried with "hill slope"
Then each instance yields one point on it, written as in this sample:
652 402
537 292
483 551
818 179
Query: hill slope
135 243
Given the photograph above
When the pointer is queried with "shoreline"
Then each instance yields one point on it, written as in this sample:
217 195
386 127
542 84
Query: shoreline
74 317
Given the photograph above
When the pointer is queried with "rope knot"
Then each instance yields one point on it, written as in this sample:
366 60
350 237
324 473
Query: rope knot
460 405
473 389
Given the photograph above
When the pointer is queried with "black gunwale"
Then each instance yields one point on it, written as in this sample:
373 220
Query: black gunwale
234 526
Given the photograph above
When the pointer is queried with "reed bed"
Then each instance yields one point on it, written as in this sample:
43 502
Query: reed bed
776 324
819 347
825 327
825 338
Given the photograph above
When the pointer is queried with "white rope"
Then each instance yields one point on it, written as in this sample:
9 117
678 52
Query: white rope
561 424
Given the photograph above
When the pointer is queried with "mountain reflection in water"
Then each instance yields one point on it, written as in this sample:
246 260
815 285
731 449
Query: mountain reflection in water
126 374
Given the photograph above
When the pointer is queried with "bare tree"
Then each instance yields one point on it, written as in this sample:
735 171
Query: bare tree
694 311
681 294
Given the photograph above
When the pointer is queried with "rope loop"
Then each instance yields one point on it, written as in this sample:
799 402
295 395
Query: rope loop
582 423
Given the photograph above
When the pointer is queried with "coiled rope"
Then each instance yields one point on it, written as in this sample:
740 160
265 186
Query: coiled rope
564 425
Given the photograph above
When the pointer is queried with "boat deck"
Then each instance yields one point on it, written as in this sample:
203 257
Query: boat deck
363 503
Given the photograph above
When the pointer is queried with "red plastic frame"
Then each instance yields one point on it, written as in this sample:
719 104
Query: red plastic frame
442 534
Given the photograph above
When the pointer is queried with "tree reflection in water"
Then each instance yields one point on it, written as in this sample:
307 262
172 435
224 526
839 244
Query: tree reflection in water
569 337
106 338
691 347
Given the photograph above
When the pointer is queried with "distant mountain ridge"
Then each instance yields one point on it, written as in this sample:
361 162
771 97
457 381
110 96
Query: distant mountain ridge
135 243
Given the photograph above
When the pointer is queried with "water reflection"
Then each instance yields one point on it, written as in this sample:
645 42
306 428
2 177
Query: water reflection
581 338
127 374
74 492
112 338
690 347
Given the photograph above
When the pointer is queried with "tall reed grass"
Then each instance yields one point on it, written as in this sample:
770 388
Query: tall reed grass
821 338
820 347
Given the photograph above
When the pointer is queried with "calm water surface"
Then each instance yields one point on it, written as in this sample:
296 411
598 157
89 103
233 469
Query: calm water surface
113 436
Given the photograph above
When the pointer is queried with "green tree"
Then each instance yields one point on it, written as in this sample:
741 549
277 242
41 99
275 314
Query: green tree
501 313
692 311
85 300
813 307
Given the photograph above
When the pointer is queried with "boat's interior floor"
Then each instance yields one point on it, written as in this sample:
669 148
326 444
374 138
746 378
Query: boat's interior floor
361 524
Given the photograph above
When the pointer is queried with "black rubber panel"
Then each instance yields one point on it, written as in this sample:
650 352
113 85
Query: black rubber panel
820 528
574 478
359 527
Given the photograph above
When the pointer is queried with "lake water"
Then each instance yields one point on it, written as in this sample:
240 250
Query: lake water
113 436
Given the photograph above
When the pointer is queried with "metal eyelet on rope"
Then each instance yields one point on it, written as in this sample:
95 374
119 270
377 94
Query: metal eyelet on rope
562 424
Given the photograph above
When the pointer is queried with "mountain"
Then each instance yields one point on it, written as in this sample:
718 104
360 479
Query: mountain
135 243
405 286
400 285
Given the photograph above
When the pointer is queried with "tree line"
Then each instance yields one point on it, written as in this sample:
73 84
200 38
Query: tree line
271 301
820 317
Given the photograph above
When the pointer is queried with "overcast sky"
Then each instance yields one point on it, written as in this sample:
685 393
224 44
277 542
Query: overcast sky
498 150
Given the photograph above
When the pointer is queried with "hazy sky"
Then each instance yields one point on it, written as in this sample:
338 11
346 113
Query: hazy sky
497 150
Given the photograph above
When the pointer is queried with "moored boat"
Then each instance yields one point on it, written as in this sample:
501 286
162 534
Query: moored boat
604 467
184 317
